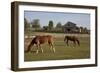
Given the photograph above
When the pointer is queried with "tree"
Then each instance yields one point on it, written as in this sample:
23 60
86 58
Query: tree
85 30
36 23
81 29
26 24
50 25
58 25
45 28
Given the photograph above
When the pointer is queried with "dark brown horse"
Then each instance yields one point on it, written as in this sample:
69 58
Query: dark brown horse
39 40
74 39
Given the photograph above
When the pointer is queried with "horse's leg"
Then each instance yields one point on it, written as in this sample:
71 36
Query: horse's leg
38 45
41 48
52 46
67 42
37 51
78 42
74 43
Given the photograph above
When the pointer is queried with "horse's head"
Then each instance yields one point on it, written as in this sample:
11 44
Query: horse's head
31 44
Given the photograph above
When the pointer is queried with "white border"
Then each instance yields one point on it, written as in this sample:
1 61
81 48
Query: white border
23 64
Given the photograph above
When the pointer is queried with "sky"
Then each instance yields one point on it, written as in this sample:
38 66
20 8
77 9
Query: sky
81 19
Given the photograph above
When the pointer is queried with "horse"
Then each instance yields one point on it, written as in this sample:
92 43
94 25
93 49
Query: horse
39 40
74 39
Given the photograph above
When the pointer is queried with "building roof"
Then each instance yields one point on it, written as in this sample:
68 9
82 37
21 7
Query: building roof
70 24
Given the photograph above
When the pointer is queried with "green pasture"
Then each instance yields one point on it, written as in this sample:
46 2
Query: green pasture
62 50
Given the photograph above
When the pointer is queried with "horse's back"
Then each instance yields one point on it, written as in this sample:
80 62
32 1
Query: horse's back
42 39
50 37
71 37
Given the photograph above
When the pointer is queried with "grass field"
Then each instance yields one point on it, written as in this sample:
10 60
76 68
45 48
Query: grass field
62 50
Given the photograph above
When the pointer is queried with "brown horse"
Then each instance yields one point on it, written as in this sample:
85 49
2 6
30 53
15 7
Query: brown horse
74 39
39 40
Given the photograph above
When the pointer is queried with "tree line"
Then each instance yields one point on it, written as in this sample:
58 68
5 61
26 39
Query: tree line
35 25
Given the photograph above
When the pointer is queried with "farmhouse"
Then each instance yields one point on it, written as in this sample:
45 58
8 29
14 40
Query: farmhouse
70 27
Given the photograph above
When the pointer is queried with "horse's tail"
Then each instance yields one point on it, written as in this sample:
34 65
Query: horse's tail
78 42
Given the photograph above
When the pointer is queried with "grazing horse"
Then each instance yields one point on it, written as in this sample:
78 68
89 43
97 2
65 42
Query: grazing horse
39 40
74 39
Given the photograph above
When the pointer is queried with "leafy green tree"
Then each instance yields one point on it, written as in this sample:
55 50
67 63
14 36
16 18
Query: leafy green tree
36 23
50 25
59 25
81 29
26 24
45 28
85 30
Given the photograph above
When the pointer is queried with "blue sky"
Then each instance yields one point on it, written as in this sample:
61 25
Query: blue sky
81 19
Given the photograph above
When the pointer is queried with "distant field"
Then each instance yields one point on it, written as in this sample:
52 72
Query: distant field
62 50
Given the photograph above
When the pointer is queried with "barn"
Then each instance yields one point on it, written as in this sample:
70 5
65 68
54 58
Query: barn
70 27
